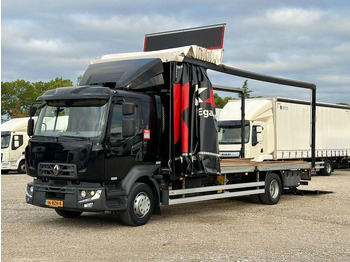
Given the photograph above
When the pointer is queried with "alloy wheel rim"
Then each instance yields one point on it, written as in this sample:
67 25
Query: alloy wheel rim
142 205
274 189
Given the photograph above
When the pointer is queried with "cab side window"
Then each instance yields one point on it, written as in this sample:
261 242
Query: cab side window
257 135
254 136
116 132
116 124
17 141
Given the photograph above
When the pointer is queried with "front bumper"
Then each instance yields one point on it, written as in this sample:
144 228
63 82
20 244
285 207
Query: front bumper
68 196
230 154
6 165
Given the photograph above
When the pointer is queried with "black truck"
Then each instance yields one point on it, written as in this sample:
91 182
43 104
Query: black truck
140 132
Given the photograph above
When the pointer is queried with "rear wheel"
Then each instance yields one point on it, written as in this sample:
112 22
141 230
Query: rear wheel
21 167
255 199
273 189
139 207
327 168
68 214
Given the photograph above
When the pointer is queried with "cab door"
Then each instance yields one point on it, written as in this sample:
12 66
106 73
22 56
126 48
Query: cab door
123 151
257 141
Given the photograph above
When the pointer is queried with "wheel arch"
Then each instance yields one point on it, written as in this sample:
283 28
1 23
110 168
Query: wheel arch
19 160
144 174
280 174
277 172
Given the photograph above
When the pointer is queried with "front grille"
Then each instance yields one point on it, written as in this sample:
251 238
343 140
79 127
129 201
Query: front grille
57 170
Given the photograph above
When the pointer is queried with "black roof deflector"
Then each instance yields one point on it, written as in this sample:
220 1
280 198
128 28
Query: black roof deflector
76 92
133 74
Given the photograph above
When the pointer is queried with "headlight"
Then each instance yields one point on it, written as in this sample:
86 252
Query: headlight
83 193
88 193
30 190
87 196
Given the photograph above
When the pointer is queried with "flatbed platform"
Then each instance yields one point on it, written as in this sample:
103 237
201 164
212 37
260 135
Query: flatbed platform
240 165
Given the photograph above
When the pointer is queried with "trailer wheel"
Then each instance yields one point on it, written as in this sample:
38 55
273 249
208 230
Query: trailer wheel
139 206
21 167
273 189
68 214
327 168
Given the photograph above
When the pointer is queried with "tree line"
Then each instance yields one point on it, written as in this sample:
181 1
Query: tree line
18 95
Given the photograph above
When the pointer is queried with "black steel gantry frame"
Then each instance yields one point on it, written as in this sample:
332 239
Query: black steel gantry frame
265 78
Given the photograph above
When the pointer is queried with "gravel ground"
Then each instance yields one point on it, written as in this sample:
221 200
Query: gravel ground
313 227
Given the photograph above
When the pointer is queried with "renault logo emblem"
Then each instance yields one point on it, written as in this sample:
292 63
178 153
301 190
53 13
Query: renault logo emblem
56 170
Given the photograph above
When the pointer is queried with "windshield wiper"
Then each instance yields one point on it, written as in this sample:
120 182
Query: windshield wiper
76 137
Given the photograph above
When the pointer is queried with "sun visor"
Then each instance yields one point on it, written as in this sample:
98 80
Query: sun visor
128 74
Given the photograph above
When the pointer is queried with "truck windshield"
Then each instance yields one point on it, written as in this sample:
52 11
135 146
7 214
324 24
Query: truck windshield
232 134
77 119
5 140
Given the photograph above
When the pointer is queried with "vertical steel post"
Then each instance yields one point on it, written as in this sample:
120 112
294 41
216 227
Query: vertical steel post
313 128
171 165
242 124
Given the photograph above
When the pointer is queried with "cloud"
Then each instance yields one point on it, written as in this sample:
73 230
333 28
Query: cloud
293 17
335 79
302 40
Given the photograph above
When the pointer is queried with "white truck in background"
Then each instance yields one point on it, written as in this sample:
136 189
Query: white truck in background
280 129
14 139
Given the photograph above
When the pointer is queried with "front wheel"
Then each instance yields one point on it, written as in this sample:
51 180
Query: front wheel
68 214
21 167
273 189
139 207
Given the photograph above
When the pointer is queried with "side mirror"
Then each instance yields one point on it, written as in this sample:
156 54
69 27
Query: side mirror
128 109
30 127
32 110
128 127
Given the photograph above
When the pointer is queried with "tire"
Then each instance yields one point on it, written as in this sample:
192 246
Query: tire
273 189
21 167
139 206
255 199
327 168
68 214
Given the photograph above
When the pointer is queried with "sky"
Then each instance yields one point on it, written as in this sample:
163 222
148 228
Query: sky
302 40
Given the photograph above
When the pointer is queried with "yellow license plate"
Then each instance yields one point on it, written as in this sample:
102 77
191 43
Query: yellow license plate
54 203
